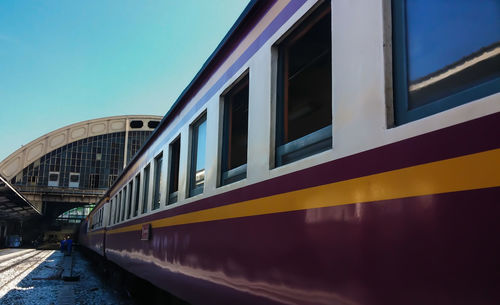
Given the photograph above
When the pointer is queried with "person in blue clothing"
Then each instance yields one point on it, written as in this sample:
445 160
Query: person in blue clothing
63 245
69 243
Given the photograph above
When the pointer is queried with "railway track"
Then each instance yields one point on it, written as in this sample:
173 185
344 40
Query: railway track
14 261
15 266
10 256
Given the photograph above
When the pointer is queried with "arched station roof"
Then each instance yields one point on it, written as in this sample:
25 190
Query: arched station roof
47 143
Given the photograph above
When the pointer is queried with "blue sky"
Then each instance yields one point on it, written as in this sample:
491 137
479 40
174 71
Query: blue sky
63 62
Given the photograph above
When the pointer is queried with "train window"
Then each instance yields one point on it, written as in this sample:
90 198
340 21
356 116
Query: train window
445 54
157 180
173 179
119 207
115 212
197 165
304 89
235 133
145 190
136 202
110 209
130 198
124 200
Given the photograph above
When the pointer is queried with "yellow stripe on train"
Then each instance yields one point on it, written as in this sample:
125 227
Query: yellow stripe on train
101 231
475 171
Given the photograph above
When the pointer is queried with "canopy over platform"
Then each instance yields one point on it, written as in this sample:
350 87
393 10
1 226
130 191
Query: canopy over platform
13 205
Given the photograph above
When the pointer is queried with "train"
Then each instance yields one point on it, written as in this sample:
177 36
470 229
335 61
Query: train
327 152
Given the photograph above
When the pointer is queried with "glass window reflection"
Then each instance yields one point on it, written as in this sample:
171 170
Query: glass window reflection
197 171
446 53
157 189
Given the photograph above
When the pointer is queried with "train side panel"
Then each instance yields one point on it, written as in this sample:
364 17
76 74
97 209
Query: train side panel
419 243
390 214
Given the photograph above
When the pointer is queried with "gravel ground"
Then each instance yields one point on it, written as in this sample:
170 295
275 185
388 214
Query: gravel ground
41 285
91 290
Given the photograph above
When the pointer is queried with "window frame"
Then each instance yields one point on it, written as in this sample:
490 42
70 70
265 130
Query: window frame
193 155
402 113
113 210
53 183
172 196
137 198
157 176
317 141
145 191
118 206
124 202
130 198
73 183
110 220
239 173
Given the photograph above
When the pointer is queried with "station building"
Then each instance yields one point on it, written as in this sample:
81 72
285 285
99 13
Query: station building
63 173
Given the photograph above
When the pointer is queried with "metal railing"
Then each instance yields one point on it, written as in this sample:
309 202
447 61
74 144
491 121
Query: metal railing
59 190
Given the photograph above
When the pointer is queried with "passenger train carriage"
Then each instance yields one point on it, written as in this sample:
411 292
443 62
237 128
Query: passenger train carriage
343 152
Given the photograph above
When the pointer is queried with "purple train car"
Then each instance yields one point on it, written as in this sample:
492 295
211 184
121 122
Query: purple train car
328 152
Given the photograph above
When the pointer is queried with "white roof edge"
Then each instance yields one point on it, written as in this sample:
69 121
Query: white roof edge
25 155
